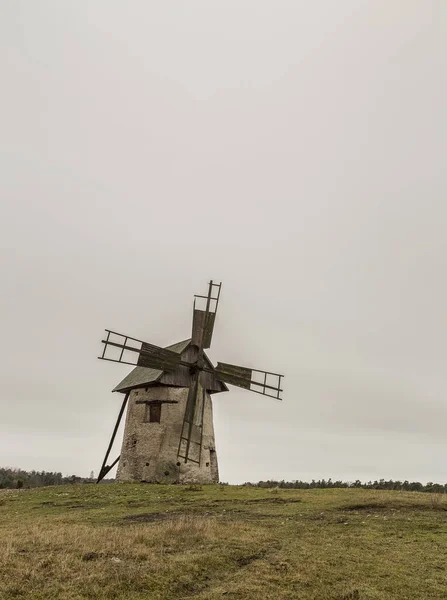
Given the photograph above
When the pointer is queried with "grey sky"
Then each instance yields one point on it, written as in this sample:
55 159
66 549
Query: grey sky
295 151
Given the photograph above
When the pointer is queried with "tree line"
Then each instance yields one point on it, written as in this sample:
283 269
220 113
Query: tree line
381 484
18 478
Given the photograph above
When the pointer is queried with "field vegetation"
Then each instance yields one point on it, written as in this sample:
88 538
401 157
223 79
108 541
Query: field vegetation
135 542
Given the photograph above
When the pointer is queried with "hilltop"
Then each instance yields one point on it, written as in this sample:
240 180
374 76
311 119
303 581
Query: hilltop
135 542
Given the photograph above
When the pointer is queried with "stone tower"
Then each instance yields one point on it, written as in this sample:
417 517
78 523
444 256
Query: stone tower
154 421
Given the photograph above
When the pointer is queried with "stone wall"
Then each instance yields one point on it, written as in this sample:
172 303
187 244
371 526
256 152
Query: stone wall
149 450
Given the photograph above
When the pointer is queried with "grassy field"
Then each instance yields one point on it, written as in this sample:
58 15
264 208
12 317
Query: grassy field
135 542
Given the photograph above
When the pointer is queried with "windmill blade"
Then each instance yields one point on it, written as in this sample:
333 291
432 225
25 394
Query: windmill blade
131 351
190 444
203 320
255 380
202 328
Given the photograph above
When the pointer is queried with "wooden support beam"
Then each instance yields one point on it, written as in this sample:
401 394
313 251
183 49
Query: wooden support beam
106 468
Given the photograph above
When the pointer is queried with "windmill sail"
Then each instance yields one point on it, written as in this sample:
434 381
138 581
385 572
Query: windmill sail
190 446
202 328
203 319
255 380
131 351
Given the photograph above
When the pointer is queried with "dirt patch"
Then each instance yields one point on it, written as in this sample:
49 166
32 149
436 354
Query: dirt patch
393 507
146 518
272 501
62 505
91 556
370 507
247 515
154 517
243 561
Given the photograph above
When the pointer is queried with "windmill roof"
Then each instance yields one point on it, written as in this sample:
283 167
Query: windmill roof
143 375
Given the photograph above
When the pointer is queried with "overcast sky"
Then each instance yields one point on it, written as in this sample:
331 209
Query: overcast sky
295 151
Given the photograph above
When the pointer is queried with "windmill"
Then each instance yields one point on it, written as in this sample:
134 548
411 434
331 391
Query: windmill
169 434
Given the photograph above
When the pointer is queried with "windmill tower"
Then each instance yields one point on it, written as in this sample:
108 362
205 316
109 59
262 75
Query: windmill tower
169 432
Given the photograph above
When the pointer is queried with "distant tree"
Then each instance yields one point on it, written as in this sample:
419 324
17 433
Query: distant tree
382 484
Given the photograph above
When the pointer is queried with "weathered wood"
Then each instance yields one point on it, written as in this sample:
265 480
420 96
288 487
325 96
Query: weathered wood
104 467
156 402
147 356
182 376
242 377
202 328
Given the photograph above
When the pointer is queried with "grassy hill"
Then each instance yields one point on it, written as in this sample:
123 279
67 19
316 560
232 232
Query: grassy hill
135 542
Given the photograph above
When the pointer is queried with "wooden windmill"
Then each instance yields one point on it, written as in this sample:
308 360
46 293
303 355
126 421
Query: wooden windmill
169 433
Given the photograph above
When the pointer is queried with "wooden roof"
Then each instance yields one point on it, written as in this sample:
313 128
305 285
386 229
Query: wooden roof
144 376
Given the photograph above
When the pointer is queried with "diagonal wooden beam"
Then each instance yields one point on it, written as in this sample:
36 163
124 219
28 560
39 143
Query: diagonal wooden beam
105 468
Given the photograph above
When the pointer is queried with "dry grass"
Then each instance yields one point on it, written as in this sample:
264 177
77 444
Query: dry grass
157 542
437 501
156 560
